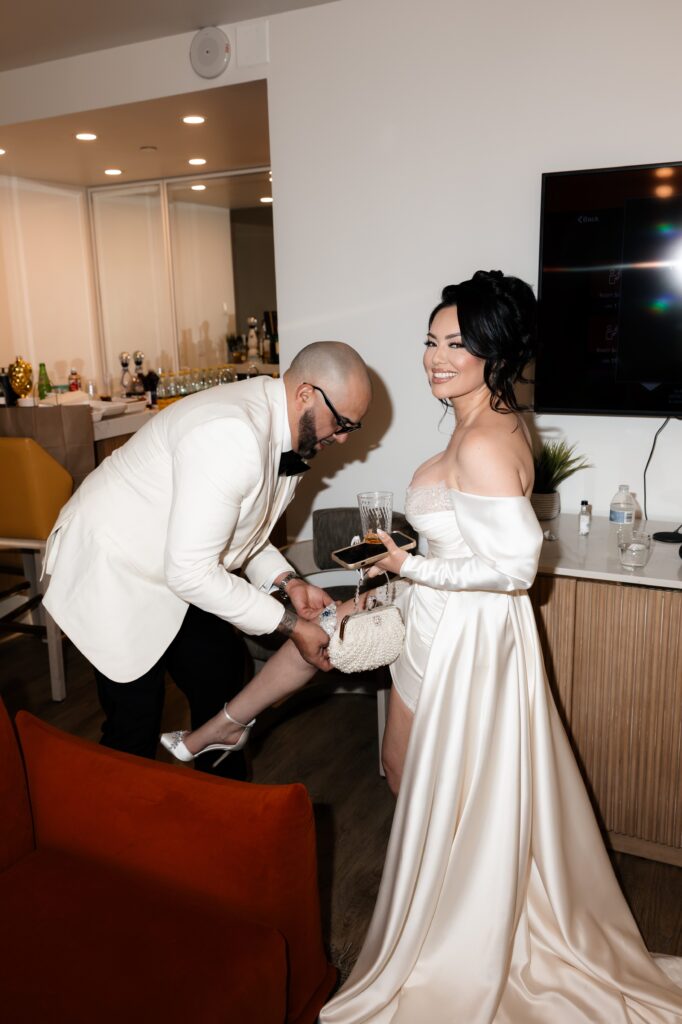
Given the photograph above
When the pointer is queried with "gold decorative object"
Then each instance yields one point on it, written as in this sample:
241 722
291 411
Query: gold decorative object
21 377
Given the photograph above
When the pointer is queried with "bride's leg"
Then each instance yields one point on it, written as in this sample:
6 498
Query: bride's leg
284 673
396 738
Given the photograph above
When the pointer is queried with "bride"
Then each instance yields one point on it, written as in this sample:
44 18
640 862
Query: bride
498 904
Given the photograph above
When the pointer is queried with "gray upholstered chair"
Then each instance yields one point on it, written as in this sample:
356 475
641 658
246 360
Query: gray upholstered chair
334 528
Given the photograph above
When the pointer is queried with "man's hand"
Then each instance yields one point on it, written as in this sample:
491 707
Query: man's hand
307 599
310 639
392 562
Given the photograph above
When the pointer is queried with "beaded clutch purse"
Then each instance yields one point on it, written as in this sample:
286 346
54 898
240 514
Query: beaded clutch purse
364 640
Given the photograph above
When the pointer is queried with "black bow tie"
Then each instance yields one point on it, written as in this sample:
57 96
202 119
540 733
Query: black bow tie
291 464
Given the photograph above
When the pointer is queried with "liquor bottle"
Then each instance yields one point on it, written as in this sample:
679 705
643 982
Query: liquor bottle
151 380
233 343
6 388
252 339
44 386
161 390
270 320
263 343
74 379
126 378
138 376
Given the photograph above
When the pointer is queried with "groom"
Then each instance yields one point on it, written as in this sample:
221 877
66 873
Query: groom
163 553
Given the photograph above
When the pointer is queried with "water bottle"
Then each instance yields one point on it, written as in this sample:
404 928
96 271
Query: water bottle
622 510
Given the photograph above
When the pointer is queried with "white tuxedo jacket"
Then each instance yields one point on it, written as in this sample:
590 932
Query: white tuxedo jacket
166 520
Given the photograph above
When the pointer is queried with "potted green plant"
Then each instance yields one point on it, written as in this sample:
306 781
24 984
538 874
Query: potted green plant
554 461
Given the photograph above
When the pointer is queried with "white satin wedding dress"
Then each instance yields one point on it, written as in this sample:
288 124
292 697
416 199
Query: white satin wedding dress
498 902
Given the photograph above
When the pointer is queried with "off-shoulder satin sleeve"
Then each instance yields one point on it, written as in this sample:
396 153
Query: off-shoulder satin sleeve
504 537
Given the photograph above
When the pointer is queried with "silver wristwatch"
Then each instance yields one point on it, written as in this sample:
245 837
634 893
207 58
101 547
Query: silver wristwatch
285 581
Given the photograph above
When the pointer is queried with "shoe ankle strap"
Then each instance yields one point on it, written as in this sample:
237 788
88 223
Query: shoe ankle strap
234 721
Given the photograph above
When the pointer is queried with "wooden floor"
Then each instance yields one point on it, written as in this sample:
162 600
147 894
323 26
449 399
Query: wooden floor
329 742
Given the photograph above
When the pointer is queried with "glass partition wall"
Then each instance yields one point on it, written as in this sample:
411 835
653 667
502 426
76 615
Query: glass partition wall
181 264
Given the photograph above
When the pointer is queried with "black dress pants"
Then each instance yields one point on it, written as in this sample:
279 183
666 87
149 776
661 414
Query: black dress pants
207 661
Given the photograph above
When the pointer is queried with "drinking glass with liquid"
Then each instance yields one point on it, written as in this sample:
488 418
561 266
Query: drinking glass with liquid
634 547
376 513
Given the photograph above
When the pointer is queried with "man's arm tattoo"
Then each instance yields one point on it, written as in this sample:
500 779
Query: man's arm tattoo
288 622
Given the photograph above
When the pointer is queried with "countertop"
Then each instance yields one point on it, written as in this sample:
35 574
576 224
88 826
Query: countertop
127 423
595 557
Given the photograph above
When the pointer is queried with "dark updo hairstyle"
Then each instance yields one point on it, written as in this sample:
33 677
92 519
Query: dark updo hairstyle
497 319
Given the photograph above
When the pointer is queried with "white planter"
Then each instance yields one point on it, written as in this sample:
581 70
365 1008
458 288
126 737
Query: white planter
546 506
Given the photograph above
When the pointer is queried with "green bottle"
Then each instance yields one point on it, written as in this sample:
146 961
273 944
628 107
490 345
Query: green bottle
44 385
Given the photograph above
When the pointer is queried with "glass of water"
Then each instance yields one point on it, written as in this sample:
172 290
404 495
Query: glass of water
634 548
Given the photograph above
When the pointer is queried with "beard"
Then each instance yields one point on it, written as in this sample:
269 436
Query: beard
307 436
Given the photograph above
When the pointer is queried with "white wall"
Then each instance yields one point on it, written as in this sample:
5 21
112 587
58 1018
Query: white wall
47 309
408 139
411 155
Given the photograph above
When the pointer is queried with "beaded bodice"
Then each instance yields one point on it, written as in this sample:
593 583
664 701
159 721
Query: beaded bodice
433 498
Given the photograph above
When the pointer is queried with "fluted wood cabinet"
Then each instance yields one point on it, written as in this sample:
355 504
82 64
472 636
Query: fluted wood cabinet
613 653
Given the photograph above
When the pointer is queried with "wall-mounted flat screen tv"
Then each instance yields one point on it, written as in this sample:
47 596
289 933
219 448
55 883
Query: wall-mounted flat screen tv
610 290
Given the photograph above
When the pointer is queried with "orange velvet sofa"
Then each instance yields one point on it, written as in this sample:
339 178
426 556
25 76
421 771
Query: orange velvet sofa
132 891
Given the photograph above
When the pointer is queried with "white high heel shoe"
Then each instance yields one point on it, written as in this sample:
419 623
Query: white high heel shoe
174 742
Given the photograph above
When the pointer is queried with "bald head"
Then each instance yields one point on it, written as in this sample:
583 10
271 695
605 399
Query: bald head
329 363
341 373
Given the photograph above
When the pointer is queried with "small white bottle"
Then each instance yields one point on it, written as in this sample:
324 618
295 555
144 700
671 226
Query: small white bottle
622 510
585 518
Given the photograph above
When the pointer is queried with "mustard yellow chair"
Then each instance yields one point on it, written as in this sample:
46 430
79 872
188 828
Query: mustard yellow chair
34 488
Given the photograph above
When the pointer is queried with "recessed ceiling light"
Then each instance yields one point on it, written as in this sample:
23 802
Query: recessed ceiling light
197 161
194 119
148 149
113 171
2 152
664 191
664 172
266 199
86 136
198 188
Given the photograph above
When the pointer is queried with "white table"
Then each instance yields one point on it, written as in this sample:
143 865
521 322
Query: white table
595 557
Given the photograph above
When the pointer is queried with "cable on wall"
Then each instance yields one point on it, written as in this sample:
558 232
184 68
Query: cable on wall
663 425
664 536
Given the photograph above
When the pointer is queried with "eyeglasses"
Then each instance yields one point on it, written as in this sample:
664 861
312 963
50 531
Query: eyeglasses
346 426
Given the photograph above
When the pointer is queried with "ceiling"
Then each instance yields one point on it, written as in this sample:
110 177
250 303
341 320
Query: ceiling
234 193
43 30
234 136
